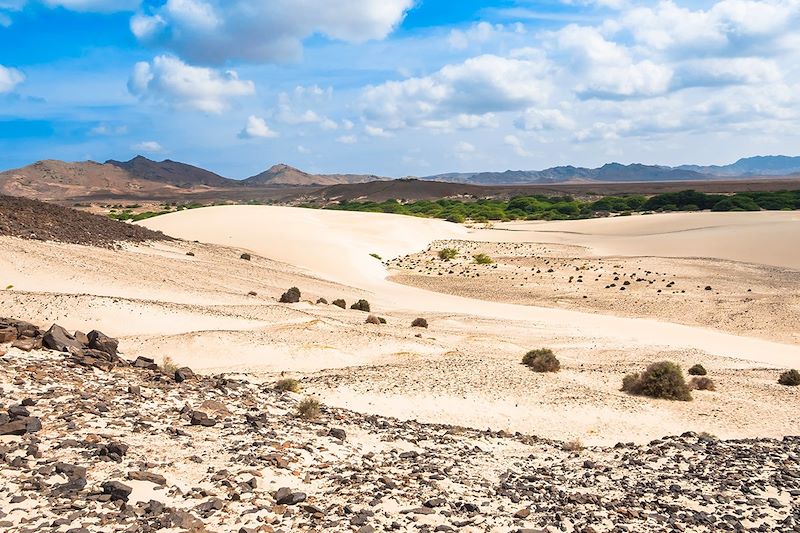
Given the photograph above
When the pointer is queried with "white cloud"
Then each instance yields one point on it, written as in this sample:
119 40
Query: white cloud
215 31
149 146
544 120
374 131
256 127
470 90
107 130
479 33
170 80
302 149
519 148
347 139
9 79
328 124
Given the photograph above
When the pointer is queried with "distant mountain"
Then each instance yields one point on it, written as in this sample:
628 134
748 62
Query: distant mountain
610 172
762 165
285 176
172 173
57 180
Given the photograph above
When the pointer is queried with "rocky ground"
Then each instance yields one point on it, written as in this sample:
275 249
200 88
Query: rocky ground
31 219
94 442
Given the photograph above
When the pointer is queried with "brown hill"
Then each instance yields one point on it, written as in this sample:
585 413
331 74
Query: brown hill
58 180
286 176
32 219
172 173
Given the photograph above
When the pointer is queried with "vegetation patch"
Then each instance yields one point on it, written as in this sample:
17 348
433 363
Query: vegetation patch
448 254
697 370
790 378
660 380
542 360
482 259
308 409
287 385
702 383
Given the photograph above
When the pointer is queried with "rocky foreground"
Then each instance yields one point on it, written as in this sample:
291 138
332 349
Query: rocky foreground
94 442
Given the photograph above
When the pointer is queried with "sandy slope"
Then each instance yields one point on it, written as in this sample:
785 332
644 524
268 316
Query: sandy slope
464 369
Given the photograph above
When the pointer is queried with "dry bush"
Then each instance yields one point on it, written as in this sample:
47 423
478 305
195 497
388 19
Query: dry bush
697 370
419 323
372 319
790 378
541 360
573 446
287 385
660 380
292 296
308 409
168 366
702 383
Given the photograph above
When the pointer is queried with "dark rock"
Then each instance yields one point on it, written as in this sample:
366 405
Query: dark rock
337 433
419 323
292 296
199 418
117 490
18 411
21 426
81 337
145 362
26 344
340 303
151 477
103 343
285 496
58 339
8 334
361 305
245 256
184 374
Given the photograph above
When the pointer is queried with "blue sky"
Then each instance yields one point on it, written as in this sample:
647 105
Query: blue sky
398 87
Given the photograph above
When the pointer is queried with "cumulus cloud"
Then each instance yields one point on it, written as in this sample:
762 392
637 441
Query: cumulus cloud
107 130
459 95
148 146
256 127
9 79
347 139
374 131
215 31
99 6
544 120
170 80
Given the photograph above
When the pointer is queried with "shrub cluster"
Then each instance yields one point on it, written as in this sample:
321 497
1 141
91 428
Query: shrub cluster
790 378
697 370
541 360
447 254
419 323
309 408
483 259
287 385
660 380
339 303
702 383
361 305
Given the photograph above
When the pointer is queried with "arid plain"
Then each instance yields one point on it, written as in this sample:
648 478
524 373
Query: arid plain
465 368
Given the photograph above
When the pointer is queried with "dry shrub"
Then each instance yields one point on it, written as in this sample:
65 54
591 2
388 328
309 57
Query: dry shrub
287 385
660 380
541 360
702 383
697 370
168 366
419 323
790 378
308 409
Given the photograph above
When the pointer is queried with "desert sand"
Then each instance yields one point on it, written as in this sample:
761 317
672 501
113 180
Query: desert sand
465 368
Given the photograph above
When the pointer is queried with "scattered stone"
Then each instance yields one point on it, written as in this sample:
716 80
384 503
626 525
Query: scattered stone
58 339
199 418
184 374
117 490
285 496
337 433
103 343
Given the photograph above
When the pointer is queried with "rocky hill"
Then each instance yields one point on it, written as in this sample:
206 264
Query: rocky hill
286 176
100 443
172 173
32 219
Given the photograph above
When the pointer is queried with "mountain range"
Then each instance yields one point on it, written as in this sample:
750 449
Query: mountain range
143 178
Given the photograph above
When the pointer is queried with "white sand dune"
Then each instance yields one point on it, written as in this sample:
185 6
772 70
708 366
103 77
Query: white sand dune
336 245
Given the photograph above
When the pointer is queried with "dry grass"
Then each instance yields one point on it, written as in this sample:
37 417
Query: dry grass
287 385
308 409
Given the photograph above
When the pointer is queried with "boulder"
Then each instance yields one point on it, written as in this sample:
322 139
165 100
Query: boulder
183 374
117 490
285 496
145 362
199 418
21 426
103 343
337 433
58 339
292 296
81 337
26 344
361 305
8 334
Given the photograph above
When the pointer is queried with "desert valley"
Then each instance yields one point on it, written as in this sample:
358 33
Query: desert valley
366 266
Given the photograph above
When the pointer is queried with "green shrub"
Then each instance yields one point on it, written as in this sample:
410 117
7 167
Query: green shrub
660 380
702 383
309 408
361 305
419 323
483 259
790 378
447 254
287 385
168 366
376 256
339 303
697 370
541 360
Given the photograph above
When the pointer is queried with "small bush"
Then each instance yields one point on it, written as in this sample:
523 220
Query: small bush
168 366
447 254
361 305
660 380
483 259
376 256
322 301
372 319
419 323
697 370
702 383
288 385
308 408
541 360
340 303
790 378
245 256
572 446
292 296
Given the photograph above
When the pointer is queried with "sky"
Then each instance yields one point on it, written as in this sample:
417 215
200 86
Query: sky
398 87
